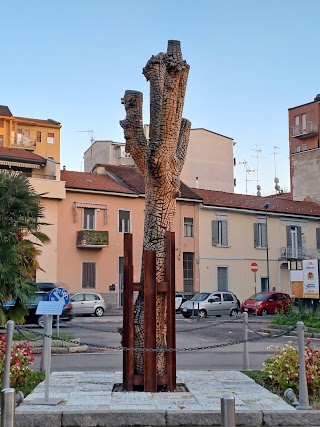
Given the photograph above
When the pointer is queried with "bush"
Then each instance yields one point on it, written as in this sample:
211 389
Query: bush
21 358
310 318
282 368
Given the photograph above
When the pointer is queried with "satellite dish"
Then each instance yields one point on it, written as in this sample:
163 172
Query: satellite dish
259 193
258 187
276 180
277 187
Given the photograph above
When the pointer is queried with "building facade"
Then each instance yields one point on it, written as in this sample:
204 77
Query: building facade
96 212
237 230
39 136
106 152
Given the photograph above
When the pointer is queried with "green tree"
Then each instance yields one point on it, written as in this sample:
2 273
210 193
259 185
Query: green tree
20 241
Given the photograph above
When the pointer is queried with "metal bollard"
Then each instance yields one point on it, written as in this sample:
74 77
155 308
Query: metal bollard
44 345
245 344
6 372
192 310
198 313
303 386
7 407
228 411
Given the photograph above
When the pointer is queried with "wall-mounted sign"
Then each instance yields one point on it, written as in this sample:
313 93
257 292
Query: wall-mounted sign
310 278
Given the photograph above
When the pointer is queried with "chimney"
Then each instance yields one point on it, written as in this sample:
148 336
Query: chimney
197 182
64 168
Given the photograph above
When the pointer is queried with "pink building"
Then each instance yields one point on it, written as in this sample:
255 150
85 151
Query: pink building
97 210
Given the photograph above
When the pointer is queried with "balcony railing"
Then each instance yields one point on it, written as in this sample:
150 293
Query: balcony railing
26 142
303 131
92 239
298 253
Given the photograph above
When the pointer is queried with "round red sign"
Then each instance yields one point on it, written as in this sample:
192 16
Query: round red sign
254 267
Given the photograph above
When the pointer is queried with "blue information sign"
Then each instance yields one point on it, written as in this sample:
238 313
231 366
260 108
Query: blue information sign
60 295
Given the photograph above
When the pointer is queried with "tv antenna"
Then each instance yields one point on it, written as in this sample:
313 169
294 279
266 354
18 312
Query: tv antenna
90 132
257 149
274 153
245 163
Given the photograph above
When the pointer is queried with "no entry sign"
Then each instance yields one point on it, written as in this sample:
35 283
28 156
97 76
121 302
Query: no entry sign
254 267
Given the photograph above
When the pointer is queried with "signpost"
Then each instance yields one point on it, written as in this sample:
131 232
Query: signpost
254 269
59 295
48 309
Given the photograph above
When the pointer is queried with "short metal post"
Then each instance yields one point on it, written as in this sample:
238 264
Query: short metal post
6 372
44 345
228 410
245 343
192 310
7 407
303 386
198 313
58 326
48 356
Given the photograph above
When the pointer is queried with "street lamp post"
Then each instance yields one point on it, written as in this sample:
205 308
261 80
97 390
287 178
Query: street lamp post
266 206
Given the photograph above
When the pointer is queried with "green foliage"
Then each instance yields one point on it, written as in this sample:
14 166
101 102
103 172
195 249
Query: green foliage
31 380
282 369
310 318
20 218
93 237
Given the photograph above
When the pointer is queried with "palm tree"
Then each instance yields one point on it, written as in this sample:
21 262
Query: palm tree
20 241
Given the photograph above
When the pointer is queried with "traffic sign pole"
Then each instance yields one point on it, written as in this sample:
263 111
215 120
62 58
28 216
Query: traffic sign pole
254 269
60 295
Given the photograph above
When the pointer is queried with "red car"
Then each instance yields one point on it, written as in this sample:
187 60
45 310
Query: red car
264 303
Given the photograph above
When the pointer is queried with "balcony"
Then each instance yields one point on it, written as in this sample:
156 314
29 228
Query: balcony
87 239
305 131
298 253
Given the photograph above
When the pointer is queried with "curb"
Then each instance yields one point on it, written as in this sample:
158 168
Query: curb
123 418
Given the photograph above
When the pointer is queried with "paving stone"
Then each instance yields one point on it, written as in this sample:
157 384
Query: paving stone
113 419
296 418
40 419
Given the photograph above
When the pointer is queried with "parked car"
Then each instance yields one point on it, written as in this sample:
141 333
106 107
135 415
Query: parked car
88 303
263 303
46 286
211 303
32 317
179 300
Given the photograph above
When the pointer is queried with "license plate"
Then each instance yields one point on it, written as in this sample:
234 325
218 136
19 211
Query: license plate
245 309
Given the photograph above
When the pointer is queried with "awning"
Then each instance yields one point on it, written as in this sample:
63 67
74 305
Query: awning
19 165
83 205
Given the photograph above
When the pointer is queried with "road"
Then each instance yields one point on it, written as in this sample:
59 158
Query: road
190 334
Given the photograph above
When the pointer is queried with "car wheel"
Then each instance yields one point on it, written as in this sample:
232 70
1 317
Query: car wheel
187 316
234 313
202 314
264 312
41 321
99 312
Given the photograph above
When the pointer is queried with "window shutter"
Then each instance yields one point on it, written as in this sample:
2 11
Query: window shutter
256 235
289 242
214 233
318 238
224 225
299 237
263 235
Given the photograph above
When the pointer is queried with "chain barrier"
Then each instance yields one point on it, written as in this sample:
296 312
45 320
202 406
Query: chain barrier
163 349
88 328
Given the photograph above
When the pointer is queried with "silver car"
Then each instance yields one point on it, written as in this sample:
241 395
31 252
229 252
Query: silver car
211 303
88 303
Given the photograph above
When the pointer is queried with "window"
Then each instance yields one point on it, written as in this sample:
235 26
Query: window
1 140
123 152
89 219
1 123
227 297
219 233
222 273
264 284
297 148
50 138
124 221
19 136
260 235
304 122
188 227
294 242
188 273
78 297
297 120
39 136
88 275
318 238
304 147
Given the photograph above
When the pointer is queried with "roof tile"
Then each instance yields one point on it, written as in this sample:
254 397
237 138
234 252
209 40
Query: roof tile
20 153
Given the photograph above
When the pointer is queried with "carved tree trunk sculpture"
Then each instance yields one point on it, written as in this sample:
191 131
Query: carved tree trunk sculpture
160 160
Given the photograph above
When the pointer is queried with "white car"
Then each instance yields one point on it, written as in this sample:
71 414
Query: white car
179 300
88 303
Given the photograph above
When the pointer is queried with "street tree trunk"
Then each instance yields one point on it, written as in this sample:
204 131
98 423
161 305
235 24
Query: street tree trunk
160 160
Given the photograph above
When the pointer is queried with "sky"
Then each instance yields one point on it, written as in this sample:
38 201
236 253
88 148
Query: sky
250 60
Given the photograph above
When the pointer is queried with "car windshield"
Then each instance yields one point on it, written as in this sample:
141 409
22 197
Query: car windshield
201 297
260 297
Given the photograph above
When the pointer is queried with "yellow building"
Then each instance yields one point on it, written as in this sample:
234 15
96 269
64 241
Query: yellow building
40 136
